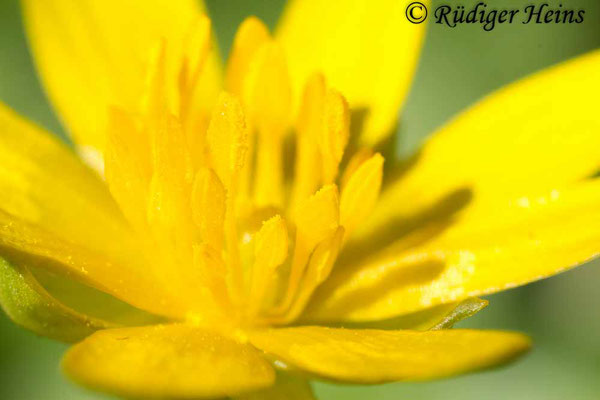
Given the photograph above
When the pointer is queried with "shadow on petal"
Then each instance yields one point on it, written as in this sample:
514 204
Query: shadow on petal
418 273
403 233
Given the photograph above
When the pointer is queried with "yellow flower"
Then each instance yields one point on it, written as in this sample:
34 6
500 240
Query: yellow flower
220 249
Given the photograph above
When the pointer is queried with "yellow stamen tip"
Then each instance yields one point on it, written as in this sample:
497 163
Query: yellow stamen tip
336 131
227 138
361 192
267 93
251 34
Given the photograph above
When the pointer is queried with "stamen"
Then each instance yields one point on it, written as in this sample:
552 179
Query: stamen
195 53
336 131
168 209
318 269
155 100
197 44
267 97
211 267
357 159
168 206
208 207
361 192
228 145
308 167
227 137
270 251
323 131
194 173
316 219
251 35
193 111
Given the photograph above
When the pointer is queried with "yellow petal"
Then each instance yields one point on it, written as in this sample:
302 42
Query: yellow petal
53 207
372 356
29 305
170 361
287 387
42 182
128 166
490 248
537 134
92 54
350 43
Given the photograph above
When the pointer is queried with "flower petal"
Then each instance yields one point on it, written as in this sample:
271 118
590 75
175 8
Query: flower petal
528 143
42 182
367 50
54 208
534 135
442 316
92 55
287 387
27 303
491 247
373 356
167 361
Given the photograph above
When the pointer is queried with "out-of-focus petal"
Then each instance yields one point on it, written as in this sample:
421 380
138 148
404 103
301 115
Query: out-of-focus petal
536 134
167 361
368 50
373 356
93 54
56 210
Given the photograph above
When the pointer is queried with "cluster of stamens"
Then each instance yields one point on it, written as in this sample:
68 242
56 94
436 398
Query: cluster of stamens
240 233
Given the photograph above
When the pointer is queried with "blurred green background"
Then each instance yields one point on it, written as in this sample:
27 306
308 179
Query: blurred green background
458 66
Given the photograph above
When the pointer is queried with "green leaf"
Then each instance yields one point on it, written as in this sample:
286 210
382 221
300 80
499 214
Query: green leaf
464 309
29 305
91 302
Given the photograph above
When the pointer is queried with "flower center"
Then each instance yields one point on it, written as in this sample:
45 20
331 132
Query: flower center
239 238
